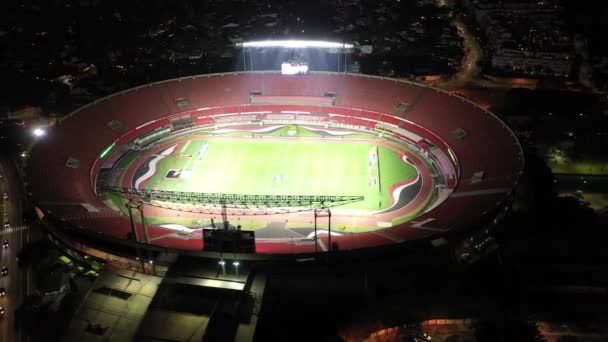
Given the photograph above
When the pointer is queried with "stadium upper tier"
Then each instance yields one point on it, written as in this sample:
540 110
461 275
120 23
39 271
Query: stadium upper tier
63 166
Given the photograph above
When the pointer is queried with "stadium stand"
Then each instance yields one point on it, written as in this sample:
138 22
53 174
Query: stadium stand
374 93
68 193
280 116
235 118
299 100
220 90
317 85
303 117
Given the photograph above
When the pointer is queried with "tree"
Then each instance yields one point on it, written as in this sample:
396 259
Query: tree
507 330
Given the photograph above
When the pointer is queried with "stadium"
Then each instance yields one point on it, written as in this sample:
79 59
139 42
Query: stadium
295 164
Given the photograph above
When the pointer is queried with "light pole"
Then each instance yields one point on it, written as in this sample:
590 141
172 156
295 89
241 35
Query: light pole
236 267
222 263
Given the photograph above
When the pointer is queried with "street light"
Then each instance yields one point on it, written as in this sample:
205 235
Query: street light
222 263
236 266
38 132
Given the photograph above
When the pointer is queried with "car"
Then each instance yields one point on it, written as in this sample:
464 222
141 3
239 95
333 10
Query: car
423 337
7 225
5 244
4 271
1 311
5 195
2 292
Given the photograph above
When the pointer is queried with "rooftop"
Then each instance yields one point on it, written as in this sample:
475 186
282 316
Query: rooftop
113 308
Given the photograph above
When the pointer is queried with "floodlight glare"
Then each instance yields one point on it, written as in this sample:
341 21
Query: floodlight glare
295 44
38 132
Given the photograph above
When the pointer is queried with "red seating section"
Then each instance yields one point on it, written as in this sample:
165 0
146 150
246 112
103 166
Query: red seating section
360 100
377 94
312 85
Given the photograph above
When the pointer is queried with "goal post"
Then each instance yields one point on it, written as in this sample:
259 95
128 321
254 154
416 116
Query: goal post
378 168
373 167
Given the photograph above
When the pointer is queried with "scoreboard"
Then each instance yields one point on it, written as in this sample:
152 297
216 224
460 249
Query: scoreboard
229 240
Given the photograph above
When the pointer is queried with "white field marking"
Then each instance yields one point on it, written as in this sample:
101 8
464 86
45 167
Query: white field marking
322 232
179 228
152 166
185 147
397 191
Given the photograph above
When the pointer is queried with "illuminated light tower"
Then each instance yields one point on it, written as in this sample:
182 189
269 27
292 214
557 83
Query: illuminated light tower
300 67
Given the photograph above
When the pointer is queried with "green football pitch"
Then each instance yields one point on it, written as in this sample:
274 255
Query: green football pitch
284 167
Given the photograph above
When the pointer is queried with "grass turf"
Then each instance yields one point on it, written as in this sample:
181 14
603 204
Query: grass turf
582 167
306 167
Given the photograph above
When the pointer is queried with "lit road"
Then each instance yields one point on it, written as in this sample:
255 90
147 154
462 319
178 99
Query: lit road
469 70
469 66
470 74
16 282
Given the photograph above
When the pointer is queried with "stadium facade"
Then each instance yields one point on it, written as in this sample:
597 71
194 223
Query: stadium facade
474 159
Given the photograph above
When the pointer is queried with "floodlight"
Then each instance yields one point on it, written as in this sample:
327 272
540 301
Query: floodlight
39 132
295 44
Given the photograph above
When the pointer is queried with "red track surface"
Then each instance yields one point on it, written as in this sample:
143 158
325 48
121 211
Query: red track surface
338 218
489 146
